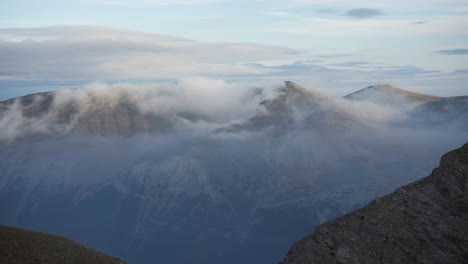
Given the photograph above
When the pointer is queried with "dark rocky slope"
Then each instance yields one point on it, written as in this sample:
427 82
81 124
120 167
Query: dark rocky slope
423 222
19 246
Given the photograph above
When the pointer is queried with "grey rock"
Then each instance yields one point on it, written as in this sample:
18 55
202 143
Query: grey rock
423 222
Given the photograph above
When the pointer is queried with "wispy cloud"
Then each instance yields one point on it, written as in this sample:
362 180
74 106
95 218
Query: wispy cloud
441 26
453 52
326 11
364 13
420 22
332 55
97 52
146 2
277 13
351 63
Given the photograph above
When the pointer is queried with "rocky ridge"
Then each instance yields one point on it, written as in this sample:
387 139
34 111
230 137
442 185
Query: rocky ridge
19 246
423 222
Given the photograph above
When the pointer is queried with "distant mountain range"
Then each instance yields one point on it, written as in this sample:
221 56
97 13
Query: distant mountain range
19 246
423 222
48 113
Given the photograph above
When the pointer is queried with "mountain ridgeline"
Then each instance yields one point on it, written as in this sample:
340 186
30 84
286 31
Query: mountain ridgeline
229 175
423 222
19 246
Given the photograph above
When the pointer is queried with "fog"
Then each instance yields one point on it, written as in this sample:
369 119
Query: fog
194 193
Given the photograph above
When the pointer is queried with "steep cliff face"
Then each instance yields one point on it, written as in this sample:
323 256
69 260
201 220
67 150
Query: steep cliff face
423 222
18 246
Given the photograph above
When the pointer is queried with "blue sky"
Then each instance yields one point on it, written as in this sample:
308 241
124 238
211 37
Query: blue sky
330 45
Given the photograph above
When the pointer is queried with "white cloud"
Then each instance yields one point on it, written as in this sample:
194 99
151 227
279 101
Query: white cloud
98 52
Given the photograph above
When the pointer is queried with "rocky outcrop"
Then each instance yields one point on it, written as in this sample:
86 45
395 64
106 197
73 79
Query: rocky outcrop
423 222
19 246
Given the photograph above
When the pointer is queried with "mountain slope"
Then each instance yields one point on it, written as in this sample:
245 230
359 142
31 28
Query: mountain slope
423 222
294 103
18 246
388 94
77 112
444 111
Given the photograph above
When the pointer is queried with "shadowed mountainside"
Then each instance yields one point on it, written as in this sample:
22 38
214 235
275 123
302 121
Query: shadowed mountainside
443 111
19 246
423 222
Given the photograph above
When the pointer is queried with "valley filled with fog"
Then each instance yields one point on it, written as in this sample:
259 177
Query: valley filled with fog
208 171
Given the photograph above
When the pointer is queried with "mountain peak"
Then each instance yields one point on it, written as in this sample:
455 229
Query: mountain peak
388 94
292 89
292 85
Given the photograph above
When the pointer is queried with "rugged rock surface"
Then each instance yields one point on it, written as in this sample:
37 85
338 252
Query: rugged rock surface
423 222
19 246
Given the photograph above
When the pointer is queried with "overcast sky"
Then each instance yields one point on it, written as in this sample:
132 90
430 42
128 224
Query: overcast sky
334 46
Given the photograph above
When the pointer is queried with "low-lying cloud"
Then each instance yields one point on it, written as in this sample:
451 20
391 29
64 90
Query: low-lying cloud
191 103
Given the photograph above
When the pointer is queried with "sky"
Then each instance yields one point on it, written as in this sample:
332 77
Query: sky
333 46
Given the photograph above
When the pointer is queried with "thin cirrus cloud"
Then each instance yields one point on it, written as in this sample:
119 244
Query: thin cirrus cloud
326 11
97 52
420 22
146 2
364 13
453 52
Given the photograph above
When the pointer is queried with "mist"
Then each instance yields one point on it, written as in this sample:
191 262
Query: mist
168 176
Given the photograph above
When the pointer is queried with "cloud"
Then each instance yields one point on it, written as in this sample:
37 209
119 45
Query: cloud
453 52
85 52
364 13
194 104
341 81
145 2
332 55
351 63
277 13
420 22
326 11
442 26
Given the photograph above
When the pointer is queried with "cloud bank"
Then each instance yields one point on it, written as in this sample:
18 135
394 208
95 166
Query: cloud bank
95 52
